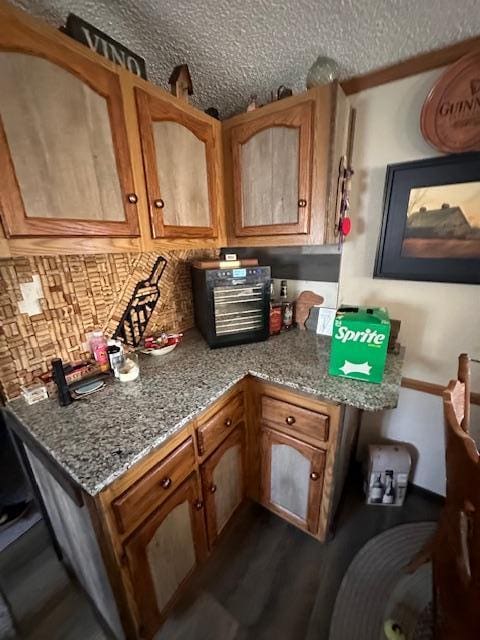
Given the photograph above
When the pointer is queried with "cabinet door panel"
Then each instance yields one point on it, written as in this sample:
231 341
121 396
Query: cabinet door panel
223 482
182 174
163 552
227 476
171 553
272 172
179 156
292 479
270 187
289 479
64 154
65 164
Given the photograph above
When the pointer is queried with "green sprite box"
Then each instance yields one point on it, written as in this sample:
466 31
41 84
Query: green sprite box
359 343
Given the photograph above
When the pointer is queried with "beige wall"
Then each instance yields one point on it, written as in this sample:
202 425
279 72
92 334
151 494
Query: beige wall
439 320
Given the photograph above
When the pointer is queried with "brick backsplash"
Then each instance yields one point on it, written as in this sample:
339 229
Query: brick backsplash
80 294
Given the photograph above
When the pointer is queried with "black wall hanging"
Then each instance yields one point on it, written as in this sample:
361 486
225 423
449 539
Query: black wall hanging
140 307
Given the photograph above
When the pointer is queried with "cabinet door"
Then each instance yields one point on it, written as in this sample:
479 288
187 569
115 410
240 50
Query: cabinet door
272 166
292 479
180 166
163 553
64 156
223 483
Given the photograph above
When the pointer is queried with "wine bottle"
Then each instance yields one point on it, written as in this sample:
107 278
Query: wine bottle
376 491
389 495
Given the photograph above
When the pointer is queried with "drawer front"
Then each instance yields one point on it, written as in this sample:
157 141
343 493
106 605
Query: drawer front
294 420
154 487
214 430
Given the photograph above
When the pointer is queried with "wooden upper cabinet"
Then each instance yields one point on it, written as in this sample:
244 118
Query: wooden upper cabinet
163 552
282 169
64 156
179 157
272 166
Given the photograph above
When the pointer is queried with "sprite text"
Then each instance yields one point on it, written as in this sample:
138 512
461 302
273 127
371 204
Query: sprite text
369 336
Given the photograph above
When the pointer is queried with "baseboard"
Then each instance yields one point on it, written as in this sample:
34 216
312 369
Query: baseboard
426 493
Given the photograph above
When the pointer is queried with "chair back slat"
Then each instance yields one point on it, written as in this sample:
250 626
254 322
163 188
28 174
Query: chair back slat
456 551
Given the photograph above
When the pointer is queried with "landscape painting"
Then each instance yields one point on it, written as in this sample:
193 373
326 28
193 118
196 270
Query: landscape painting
431 220
443 222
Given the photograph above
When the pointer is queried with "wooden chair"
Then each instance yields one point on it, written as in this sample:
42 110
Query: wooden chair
455 549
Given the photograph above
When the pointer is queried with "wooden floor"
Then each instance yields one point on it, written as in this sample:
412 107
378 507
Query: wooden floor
265 580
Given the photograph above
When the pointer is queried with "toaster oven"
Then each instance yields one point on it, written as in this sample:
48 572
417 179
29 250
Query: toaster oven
232 305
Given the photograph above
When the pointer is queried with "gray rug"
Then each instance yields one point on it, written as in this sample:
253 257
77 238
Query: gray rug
6 624
376 588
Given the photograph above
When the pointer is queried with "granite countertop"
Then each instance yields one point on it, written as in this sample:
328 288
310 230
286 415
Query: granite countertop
97 439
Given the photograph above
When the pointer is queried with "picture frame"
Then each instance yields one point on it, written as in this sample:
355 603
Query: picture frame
431 221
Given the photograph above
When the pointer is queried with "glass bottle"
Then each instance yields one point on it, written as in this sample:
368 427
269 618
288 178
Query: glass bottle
389 495
275 320
376 490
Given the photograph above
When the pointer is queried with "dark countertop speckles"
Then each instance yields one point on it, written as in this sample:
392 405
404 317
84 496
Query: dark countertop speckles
97 439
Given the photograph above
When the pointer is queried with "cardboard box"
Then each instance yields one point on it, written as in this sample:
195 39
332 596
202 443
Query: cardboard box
387 470
359 343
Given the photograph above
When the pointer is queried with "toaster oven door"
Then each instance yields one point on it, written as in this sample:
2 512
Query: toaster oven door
238 309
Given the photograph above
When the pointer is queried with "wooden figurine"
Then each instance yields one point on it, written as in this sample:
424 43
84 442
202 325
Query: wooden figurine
283 92
305 301
252 105
180 82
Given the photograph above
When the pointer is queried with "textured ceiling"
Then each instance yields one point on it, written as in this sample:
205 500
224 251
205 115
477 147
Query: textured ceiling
235 48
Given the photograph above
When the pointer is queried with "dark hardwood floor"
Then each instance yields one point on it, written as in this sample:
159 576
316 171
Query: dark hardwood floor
265 580
269 580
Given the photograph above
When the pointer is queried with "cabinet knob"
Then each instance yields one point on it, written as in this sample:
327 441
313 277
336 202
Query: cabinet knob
228 422
166 482
198 504
158 203
302 203
290 420
213 488
132 198
314 475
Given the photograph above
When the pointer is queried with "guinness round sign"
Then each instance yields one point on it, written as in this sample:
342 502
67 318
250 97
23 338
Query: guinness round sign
450 119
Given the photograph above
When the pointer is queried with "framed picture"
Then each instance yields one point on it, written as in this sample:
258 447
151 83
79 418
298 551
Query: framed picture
431 221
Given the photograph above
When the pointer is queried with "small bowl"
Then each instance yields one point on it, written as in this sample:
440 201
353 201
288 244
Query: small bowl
160 352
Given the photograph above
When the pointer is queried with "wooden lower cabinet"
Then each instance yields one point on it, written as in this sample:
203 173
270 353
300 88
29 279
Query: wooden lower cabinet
292 479
164 516
163 552
223 483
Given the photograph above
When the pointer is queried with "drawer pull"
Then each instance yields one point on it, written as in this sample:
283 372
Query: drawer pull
314 475
213 488
198 504
290 420
166 482
158 203
228 422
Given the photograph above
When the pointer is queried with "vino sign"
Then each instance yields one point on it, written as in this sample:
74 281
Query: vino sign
101 43
450 119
